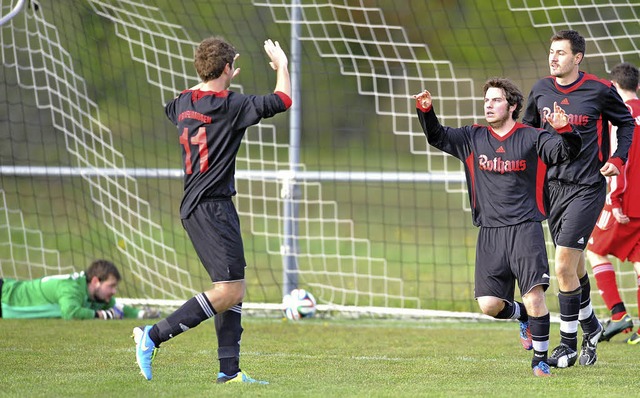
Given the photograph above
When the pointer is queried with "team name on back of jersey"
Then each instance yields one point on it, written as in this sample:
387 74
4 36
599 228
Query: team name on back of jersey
194 115
499 165
576 120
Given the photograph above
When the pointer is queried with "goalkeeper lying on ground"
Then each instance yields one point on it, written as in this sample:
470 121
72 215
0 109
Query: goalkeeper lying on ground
81 295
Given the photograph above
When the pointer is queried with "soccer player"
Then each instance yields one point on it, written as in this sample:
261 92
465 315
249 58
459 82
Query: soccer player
211 122
505 165
617 232
577 190
82 295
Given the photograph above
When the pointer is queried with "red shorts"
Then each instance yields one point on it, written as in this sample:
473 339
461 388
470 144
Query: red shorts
619 240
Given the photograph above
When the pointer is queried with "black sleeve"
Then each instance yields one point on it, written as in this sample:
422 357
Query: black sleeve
554 148
453 141
616 111
531 115
170 111
257 107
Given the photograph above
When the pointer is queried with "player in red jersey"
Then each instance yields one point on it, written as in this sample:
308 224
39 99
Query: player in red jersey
211 122
577 190
617 232
505 167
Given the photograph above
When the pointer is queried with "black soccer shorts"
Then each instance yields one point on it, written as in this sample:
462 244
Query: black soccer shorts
506 255
214 229
573 212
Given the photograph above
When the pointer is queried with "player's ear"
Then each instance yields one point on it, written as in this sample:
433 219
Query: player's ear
579 57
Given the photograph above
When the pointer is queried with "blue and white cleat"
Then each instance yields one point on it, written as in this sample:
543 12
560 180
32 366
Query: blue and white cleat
542 370
145 350
239 377
525 336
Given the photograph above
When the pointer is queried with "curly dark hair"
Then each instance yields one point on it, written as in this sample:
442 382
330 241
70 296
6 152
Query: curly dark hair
511 92
211 57
102 269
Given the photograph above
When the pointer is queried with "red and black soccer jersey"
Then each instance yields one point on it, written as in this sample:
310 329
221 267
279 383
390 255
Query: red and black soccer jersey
625 187
591 103
505 175
210 128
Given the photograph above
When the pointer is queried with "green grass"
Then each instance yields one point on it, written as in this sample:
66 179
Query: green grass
312 358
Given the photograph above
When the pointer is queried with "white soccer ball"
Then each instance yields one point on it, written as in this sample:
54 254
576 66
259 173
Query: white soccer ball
299 304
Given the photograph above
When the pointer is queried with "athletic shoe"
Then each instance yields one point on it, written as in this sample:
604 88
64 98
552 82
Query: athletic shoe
239 377
588 354
634 339
525 336
622 325
145 350
542 370
562 356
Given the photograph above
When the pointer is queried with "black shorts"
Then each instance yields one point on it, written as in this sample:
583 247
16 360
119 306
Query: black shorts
214 229
573 212
505 255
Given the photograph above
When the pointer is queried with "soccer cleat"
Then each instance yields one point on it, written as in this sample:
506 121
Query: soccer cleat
634 339
542 370
145 350
588 354
622 325
239 377
525 336
562 356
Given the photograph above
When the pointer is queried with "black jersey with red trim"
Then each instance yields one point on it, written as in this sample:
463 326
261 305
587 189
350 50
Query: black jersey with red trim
506 176
210 129
591 103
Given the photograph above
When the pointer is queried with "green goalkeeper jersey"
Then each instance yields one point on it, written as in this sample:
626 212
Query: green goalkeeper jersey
59 296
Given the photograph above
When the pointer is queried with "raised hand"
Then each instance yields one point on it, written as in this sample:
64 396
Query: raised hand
275 53
558 119
423 99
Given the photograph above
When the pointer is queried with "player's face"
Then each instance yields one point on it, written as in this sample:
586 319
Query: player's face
496 108
103 291
562 61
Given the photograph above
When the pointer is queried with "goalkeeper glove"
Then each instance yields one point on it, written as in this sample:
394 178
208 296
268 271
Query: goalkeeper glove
111 313
149 313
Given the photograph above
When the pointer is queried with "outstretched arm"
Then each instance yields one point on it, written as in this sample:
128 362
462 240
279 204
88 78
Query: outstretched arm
279 63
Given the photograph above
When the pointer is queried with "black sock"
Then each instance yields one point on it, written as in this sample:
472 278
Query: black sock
524 317
189 315
508 311
539 327
589 323
229 331
569 311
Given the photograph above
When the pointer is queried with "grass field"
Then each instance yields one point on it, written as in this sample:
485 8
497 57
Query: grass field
312 358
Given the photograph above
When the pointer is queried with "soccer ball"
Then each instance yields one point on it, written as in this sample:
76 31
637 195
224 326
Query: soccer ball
298 304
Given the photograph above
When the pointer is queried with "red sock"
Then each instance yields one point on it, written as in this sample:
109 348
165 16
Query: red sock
605 276
638 294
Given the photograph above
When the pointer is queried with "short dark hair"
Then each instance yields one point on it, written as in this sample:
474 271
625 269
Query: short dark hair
211 57
102 269
626 75
512 93
578 44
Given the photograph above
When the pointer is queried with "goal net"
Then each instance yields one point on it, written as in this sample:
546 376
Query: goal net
360 211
